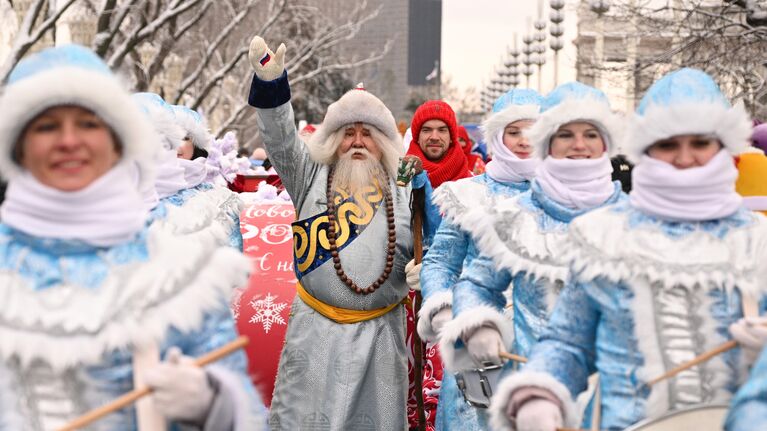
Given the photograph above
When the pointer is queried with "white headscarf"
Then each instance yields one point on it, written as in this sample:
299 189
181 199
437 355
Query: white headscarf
506 167
694 194
107 212
577 184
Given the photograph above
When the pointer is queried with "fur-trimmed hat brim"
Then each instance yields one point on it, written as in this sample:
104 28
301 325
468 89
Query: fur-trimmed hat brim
497 122
731 125
356 106
198 131
591 111
99 92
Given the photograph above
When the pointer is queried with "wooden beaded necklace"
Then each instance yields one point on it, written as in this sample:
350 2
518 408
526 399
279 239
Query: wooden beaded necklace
333 236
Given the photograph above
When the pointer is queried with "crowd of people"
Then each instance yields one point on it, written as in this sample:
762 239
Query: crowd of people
576 277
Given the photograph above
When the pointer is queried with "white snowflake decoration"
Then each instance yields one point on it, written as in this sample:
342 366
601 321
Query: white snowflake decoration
267 311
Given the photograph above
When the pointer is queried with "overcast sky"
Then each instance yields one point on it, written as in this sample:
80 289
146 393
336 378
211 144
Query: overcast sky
477 33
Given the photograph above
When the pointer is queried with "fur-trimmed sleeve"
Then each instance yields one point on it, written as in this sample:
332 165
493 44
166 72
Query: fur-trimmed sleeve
477 300
748 410
562 360
237 405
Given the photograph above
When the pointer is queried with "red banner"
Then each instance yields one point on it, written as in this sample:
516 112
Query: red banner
261 309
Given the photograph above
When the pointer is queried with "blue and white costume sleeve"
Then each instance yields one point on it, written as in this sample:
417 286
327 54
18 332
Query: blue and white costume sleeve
748 410
72 314
453 248
523 243
646 295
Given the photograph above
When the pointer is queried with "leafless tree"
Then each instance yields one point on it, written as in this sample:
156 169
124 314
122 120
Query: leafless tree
727 39
194 52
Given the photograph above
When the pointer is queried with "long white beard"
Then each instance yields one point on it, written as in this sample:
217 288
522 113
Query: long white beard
352 175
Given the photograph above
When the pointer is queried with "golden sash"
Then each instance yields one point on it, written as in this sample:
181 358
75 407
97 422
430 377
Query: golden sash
344 315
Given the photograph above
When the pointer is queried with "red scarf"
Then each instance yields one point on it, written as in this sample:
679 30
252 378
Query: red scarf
451 167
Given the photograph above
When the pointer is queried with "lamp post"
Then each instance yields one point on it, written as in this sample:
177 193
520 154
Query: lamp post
599 7
527 59
540 50
556 31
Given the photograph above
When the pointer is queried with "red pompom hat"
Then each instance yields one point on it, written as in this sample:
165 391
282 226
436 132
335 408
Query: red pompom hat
435 110
453 165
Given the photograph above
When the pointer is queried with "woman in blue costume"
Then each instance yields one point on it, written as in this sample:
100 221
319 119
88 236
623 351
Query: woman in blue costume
91 297
187 202
658 279
522 239
749 407
452 249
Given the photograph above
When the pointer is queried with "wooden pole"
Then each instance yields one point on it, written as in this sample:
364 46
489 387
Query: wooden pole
143 391
419 197
695 361
513 357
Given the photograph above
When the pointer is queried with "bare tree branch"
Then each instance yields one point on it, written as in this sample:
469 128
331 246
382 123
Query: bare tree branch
29 34
107 28
218 76
176 8
211 49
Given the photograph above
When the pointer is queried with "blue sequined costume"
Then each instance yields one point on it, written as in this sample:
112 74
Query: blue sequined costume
646 296
452 250
72 313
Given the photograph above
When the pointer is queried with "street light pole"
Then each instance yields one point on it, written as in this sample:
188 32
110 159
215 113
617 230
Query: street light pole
556 31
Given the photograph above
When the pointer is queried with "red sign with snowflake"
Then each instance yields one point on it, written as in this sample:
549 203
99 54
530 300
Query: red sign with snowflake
261 310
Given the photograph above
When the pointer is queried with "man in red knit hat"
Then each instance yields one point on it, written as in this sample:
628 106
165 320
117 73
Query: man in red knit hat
435 142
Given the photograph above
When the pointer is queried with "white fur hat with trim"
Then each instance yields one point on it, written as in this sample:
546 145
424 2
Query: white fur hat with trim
195 126
72 75
517 104
163 119
356 106
687 102
574 102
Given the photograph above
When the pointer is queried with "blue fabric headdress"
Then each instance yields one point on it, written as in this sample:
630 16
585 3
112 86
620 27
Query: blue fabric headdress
687 102
72 75
517 104
163 118
573 102
195 126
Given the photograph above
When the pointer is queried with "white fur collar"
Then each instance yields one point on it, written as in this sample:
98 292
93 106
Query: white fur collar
67 325
209 212
603 245
455 198
513 237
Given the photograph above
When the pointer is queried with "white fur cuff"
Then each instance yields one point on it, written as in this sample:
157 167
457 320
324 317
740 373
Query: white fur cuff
429 308
507 387
463 324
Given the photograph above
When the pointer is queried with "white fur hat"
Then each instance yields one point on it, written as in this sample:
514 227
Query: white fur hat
356 106
517 104
72 75
194 124
573 102
163 119
687 101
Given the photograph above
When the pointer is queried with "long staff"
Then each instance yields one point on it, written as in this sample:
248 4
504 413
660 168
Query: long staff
143 391
409 167
695 361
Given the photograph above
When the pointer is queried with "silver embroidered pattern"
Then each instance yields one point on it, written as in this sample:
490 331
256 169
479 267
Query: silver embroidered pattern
48 400
678 321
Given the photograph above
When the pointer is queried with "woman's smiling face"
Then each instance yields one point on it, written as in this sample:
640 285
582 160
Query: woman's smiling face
577 140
